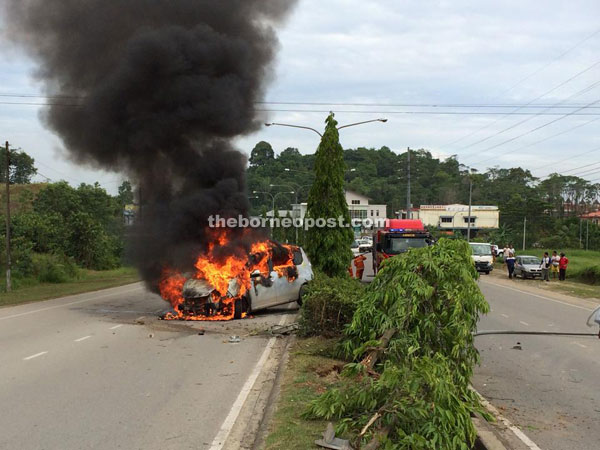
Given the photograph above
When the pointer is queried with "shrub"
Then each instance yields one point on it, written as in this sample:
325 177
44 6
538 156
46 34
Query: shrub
328 305
589 274
415 393
53 268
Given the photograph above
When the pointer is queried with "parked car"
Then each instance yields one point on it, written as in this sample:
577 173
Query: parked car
265 291
527 267
497 251
355 248
482 256
365 245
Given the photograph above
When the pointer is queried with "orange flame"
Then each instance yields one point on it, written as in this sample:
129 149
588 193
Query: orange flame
219 272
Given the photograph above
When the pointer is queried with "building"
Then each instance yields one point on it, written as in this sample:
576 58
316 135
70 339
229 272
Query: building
593 217
358 205
456 217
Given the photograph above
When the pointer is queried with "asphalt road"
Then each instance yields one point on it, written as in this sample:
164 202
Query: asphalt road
100 371
550 387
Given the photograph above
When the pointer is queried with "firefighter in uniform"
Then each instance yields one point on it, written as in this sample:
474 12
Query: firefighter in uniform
359 263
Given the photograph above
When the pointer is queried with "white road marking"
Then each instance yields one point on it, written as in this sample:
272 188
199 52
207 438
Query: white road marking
115 327
82 339
34 356
538 296
507 423
523 323
71 303
226 427
581 345
504 315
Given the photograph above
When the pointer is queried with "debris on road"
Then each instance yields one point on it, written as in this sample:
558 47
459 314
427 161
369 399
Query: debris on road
234 339
330 441
285 330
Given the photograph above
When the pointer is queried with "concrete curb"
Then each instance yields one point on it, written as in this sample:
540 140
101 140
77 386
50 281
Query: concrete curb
486 437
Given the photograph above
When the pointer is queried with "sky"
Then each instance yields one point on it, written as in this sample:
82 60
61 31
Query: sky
347 53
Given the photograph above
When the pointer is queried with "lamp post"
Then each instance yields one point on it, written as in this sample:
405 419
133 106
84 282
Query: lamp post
312 129
297 189
273 197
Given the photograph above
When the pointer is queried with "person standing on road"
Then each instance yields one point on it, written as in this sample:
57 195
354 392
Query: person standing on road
359 263
545 266
562 267
509 257
555 263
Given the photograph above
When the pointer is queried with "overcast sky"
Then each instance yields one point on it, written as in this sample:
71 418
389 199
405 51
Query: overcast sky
390 52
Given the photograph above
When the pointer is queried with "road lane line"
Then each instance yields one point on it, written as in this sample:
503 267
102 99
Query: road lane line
34 356
82 339
504 315
229 422
13 316
507 423
115 327
523 323
581 345
536 295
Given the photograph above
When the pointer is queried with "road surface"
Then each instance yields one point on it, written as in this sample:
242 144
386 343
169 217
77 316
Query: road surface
548 386
99 371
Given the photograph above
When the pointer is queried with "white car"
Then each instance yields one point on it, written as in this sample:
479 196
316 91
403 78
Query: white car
265 291
355 247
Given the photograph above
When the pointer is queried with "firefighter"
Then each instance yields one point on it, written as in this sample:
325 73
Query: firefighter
359 263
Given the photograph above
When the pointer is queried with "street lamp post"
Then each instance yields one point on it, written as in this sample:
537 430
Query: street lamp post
312 129
297 189
273 197
470 203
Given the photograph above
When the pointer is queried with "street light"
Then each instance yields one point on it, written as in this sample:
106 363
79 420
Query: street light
360 123
273 197
312 129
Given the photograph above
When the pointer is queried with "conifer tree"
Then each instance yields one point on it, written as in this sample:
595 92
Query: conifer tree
329 247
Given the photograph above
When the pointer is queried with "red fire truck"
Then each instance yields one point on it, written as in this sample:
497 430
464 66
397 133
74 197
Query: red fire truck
398 236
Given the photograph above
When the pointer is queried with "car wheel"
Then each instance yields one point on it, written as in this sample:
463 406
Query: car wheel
301 294
487 272
238 309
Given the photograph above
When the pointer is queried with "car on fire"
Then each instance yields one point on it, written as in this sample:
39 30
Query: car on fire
281 285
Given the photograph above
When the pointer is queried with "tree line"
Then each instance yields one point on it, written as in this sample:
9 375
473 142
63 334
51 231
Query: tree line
551 206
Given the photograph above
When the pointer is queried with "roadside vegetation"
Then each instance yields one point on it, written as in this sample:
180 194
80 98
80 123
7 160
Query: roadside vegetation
408 355
63 239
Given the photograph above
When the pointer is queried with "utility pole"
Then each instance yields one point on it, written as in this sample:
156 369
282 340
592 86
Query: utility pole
587 234
8 262
470 206
580 227
408 203
524 231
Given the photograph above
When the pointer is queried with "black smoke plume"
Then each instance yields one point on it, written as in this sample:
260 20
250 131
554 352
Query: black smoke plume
163 86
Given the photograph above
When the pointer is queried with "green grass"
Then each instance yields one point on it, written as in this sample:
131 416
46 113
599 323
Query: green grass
579 262
89 280
308 374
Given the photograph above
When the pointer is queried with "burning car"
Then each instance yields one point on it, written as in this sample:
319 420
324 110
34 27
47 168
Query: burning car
223 289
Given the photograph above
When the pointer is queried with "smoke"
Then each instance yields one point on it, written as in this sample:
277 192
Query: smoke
162 88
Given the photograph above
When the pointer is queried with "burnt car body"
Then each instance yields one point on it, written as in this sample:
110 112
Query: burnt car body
278 287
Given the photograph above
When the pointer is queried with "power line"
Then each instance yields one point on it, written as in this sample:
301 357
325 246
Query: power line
326 111
531 101
576 94
568 159
312 103
533 130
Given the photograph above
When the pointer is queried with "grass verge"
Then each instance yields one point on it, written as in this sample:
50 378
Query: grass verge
89 280
310 372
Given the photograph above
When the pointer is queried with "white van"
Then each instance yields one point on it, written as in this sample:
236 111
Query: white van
482 256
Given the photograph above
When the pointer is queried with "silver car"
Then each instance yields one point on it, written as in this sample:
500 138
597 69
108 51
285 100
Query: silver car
265 291
528 267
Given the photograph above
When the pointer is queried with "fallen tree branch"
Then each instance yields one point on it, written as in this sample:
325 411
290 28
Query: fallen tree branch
373 356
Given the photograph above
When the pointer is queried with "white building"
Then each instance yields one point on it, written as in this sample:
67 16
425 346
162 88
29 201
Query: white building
456 217
358 205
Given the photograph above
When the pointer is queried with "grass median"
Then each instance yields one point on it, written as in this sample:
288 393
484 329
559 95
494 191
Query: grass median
88 281
309 373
